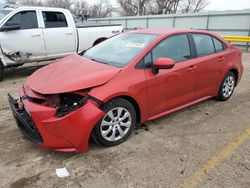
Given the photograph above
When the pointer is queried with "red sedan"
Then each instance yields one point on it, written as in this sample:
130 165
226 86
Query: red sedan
126 80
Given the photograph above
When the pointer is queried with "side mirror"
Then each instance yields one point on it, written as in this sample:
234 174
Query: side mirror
162 63
11 25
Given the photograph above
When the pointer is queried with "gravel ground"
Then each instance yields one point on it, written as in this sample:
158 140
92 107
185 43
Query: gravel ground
164 153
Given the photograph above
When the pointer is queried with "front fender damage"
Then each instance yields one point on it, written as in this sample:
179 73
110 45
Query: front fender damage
77 127
16 56
70 132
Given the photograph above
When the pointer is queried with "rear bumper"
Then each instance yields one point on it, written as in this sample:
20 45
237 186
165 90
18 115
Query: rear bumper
68 133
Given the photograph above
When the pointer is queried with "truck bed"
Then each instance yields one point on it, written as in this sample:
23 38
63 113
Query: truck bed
86 25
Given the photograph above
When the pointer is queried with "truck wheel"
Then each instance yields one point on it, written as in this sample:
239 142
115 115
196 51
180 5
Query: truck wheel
1 71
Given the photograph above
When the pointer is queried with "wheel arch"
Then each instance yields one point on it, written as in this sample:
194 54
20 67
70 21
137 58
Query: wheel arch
1 70
97 41
1 61
134 103
236 73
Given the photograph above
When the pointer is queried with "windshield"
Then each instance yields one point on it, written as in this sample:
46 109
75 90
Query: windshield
3 13
121 49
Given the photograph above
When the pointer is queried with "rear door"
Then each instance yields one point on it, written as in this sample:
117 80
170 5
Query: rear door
26 43
173 87
59 34
210 61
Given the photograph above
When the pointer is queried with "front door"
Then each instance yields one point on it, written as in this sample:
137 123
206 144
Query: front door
173 87
26 43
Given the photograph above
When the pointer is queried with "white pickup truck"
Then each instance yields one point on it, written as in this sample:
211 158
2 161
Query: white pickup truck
29 34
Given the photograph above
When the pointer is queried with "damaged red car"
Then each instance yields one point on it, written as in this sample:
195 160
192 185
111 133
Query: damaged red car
126 80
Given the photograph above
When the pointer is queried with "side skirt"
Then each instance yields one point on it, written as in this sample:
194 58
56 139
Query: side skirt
179 108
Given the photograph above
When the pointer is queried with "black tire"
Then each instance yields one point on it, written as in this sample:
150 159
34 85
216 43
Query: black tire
125 108
1 71
221 96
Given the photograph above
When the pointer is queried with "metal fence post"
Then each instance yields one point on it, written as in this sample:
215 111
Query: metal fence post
173 21
147 22
208 18
249 36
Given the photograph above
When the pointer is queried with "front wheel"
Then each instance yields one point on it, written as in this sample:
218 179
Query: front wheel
227 87
116 125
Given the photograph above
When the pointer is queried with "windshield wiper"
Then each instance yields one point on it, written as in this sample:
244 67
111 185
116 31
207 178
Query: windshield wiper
98 61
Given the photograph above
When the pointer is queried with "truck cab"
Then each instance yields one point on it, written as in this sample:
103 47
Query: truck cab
29 34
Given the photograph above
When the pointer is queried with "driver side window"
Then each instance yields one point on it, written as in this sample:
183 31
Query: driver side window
175 47
26 19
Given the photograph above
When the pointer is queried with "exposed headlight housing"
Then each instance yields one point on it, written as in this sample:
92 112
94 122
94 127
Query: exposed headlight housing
66 102
70 102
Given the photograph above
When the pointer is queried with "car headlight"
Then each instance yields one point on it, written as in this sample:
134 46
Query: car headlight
70 102
66 102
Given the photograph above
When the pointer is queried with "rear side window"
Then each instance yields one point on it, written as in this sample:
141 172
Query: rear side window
174 47
218 45
54 19
204 44
26 19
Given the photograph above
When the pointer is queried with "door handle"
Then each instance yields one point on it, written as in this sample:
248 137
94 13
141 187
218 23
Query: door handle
69 33
36 35
221 59
192 67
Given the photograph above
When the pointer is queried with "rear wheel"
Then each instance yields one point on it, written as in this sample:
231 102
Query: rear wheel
116 125
227 87
1 71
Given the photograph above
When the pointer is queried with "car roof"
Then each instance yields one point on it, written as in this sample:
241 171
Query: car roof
164 31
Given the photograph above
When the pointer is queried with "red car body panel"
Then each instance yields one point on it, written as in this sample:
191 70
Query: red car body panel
153 94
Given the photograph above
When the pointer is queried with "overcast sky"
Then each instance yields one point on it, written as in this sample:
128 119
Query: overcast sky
217 4
214 4
228 5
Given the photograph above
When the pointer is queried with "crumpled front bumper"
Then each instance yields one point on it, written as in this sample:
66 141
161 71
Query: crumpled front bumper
68 133
24 122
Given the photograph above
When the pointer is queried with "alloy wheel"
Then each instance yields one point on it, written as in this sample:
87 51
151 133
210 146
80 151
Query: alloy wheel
115 124
228 86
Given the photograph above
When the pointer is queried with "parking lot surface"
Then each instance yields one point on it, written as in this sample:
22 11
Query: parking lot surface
206 145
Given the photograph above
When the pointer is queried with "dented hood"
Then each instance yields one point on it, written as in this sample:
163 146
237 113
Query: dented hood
70 74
